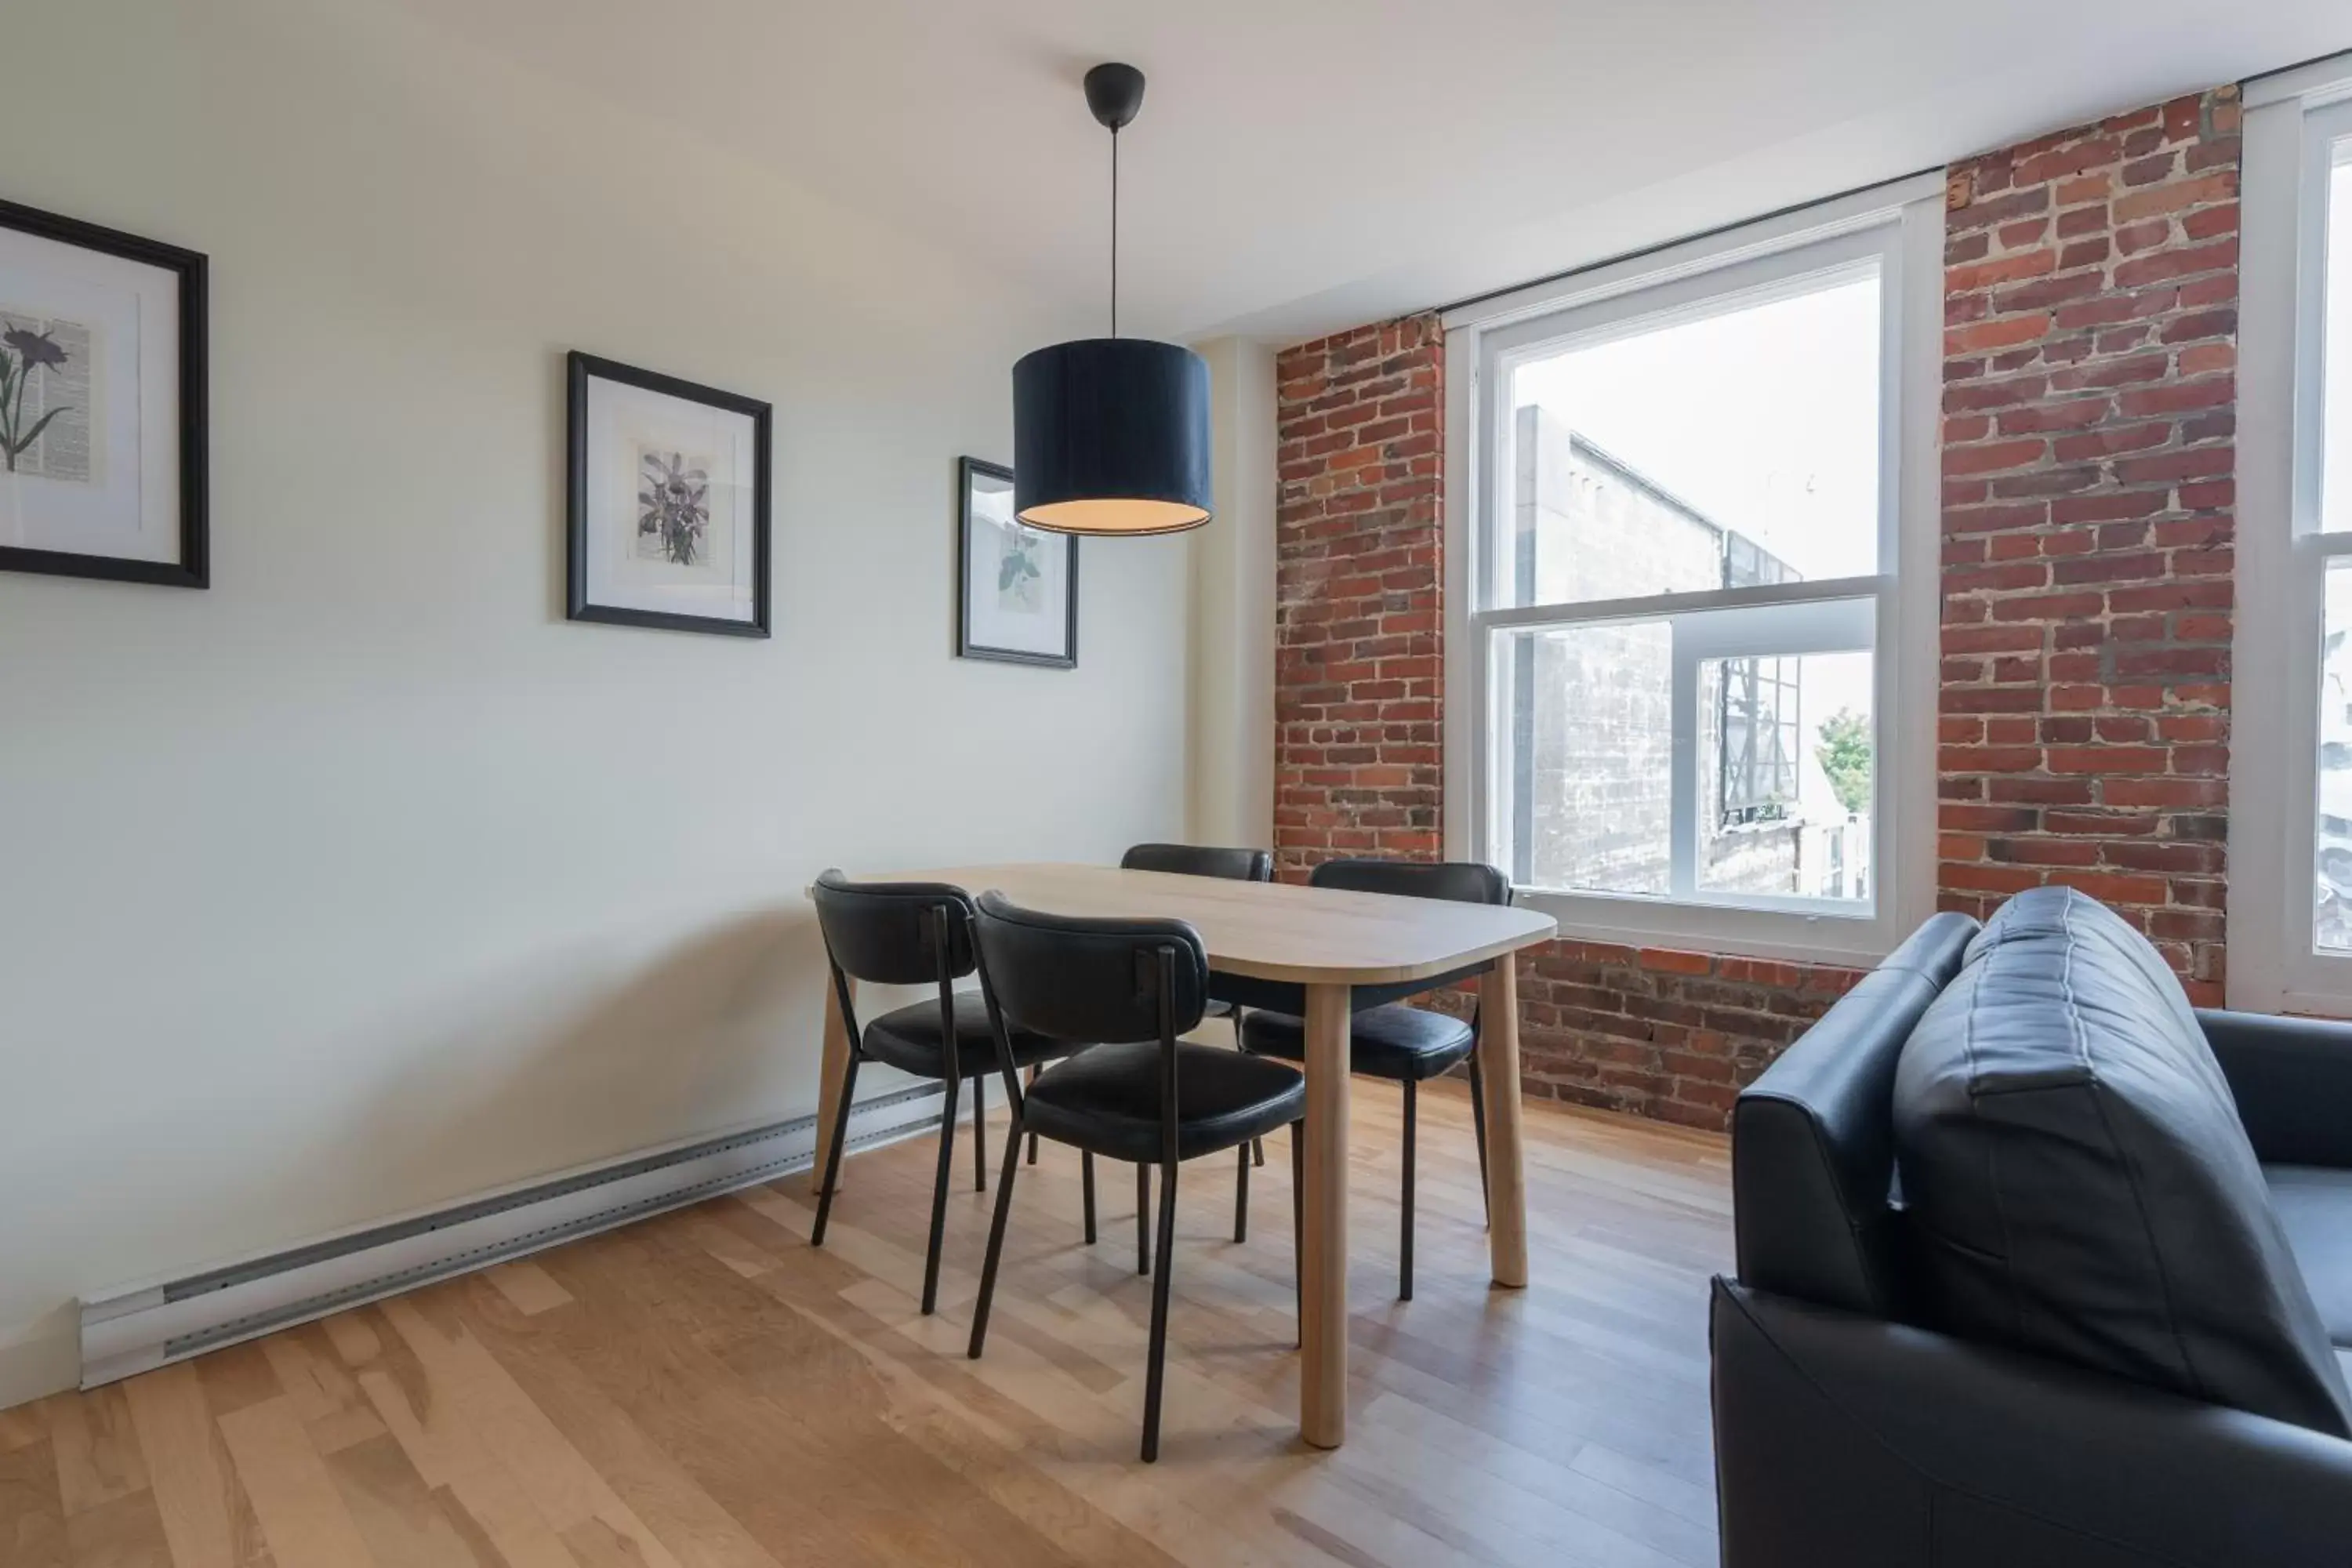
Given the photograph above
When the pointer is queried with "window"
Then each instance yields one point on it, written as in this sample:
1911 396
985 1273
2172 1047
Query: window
2291 783
1678 581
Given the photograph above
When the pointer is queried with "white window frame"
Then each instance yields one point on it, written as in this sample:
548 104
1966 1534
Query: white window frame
2298 126
1899 229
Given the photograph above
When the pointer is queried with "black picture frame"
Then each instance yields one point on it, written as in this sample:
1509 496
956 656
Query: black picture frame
194 568
579 368
967 469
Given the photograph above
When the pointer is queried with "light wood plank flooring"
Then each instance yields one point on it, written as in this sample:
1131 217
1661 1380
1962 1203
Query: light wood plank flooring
704 1389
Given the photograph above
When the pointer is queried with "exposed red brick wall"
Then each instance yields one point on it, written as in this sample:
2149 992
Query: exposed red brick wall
1358 600
1670 1035
2091 294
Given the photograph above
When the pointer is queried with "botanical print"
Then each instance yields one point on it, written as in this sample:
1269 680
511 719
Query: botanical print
673 507
45 370
1020 581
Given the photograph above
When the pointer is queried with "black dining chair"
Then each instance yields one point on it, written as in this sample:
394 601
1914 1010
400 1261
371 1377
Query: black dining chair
918 933
1142 1093
1406 1045
1236 866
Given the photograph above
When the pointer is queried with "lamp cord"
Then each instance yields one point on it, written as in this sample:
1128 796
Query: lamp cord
1114 231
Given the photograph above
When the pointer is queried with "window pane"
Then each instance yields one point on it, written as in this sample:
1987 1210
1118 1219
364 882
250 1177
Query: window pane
2335 395
1787 755
1732 449
1583 756
2331 890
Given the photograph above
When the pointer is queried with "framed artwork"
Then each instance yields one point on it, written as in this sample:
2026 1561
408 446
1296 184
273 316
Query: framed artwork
101 403
668 500
1016 586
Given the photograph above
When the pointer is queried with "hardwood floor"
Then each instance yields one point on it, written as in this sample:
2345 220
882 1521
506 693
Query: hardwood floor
704 1389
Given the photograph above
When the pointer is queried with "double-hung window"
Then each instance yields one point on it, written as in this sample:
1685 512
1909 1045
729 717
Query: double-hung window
2291 753
1685 518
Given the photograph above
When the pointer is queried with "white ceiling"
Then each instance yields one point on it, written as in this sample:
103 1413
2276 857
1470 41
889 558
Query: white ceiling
1302 166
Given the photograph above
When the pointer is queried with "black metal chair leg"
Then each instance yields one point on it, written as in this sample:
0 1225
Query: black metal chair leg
1404 1247
1241 1197
1298 1227
1258 1145
833 1155
1478 1126
1155 1378
940 1197
995 1238
979 1134
1033 1137
1143 1219
1086 1187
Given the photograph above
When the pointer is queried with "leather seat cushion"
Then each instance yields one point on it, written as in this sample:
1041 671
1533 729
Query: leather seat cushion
1406 1044
2315 1206
908 1039
1107 1099
2077 1181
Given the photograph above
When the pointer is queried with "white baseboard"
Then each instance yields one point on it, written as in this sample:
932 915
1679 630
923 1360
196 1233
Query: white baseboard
134 1329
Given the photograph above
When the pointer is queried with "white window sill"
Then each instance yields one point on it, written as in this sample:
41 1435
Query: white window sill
1837 940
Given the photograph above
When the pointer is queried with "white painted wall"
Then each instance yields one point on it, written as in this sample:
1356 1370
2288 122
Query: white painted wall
364 880
1232 796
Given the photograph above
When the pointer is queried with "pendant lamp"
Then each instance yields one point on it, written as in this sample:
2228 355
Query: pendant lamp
1110 435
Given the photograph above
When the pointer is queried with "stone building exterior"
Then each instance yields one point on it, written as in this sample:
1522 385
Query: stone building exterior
1592 807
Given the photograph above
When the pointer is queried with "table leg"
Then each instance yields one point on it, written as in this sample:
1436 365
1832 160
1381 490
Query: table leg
1499 1074
832 1068
1323 1380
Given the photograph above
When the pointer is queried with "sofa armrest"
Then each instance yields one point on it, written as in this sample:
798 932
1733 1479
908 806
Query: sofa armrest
2292 1079
1844 1440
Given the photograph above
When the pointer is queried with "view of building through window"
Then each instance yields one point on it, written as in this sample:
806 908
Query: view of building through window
1733 450
2332 845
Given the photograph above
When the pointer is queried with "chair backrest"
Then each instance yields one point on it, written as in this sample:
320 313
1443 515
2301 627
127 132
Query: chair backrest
1462 881
888 933
1091 982
1200 860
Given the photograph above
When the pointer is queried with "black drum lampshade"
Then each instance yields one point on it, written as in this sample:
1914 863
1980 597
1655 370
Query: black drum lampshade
1110 435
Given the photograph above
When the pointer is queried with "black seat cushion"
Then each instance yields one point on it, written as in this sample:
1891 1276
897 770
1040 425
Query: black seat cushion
2079 1185
1405 1044
908 1039
2313 1203
1107 1099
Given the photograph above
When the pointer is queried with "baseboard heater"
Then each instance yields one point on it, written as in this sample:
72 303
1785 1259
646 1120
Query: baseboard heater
130 1331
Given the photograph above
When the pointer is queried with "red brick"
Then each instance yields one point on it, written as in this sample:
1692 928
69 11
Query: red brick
2130 688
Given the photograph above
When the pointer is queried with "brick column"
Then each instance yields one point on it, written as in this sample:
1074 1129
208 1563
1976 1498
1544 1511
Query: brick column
1359 609
2090 298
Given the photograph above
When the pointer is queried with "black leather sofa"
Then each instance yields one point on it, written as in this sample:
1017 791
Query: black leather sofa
2038 1266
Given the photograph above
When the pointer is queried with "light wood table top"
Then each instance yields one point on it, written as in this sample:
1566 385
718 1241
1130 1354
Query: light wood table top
1270 931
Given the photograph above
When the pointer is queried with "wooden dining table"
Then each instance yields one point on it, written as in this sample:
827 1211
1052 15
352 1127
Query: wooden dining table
1328 953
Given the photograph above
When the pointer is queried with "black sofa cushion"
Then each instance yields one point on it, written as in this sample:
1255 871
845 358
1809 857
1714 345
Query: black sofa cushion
2314 1203
2079 1185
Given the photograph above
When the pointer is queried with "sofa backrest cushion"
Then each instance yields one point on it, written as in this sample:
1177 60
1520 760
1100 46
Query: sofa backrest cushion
1813 1152
2079 1185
